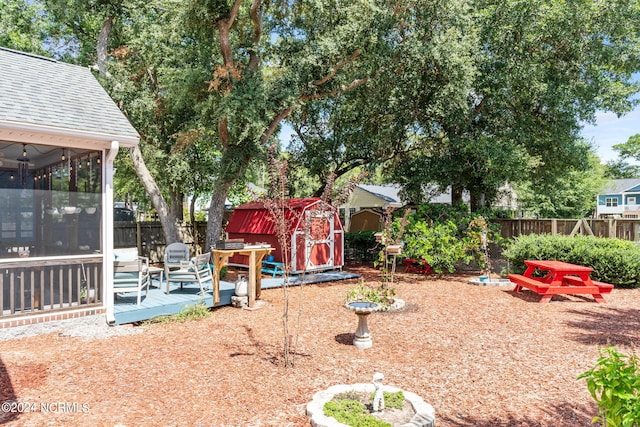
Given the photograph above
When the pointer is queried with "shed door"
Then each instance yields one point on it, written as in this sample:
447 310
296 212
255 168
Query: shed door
319 240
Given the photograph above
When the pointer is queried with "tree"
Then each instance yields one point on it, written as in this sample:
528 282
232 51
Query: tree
629 149
619 169
20 27
425 75
573 196
273 57
542 68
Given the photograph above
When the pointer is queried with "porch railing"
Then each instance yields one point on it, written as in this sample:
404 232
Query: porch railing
39 285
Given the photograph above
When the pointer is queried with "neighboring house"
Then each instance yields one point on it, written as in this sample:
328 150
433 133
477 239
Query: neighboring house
620 199
59 135
366 205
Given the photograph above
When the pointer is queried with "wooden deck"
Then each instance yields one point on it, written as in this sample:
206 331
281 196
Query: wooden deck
160 304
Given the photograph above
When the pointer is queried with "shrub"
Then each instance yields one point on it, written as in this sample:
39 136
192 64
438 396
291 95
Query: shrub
613 383
438 244
384 296
347 408
192 312
613 261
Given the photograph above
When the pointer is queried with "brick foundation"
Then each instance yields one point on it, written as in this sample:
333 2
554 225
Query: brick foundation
49 317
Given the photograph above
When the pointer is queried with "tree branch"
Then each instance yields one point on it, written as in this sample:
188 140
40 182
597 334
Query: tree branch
233 14
337 68
224 27
256 17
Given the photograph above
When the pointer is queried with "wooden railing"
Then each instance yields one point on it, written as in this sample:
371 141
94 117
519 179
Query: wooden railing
38 285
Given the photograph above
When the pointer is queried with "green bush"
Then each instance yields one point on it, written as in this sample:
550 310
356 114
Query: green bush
384 296
347 409
613 383
613 261
352 413
439 244
366 238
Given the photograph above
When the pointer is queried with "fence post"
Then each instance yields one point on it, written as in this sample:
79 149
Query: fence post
139 237
612 228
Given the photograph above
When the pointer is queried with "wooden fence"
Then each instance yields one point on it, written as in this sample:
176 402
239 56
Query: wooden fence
627 229
149 239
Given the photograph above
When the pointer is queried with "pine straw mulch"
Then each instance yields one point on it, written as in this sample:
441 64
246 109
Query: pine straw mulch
482 356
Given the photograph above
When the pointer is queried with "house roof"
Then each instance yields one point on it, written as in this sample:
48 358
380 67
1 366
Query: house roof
42 93
389 193
617 186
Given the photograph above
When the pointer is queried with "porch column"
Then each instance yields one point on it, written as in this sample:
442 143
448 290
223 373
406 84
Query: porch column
107 231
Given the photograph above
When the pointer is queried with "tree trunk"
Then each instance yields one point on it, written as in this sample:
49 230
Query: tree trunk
476 201
103 44
216 214
456 194
167 221
176 207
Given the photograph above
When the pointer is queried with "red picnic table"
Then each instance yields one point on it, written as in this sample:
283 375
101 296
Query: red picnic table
417 265
560 278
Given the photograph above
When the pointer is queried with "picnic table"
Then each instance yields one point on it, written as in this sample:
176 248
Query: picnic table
417 265
559 278
272 267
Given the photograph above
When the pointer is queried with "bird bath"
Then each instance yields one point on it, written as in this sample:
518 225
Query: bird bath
362 309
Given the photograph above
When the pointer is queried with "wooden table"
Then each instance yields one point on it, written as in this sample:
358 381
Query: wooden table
221 258
560 278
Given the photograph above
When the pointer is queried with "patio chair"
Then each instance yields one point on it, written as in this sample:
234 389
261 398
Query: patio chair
198 270
176 256
131 276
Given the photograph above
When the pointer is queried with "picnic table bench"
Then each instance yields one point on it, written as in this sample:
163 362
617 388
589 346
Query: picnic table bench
272 267
561 278
418 265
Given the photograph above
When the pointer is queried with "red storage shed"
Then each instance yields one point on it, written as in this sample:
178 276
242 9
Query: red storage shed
315 233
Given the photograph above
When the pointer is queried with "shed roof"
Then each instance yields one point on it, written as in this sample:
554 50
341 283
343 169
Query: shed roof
44 93
254 217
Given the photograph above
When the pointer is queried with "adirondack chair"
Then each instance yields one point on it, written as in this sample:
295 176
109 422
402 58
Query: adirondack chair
198 270
131 276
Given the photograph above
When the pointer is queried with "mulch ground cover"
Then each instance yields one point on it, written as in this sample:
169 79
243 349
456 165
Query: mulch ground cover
481 355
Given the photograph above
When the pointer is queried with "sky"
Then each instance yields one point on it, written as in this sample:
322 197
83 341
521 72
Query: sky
611 130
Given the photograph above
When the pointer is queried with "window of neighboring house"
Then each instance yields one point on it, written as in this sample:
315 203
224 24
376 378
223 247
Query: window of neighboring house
611 202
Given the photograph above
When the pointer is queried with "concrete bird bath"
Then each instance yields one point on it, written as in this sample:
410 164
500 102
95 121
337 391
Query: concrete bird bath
362 309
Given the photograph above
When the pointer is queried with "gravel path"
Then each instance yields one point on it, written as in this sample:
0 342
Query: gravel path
88 327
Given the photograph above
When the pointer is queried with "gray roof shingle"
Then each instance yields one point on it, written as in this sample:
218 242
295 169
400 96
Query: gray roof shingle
42 91
617 186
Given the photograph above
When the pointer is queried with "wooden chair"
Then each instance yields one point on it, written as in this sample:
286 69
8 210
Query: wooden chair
198 270
131 276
